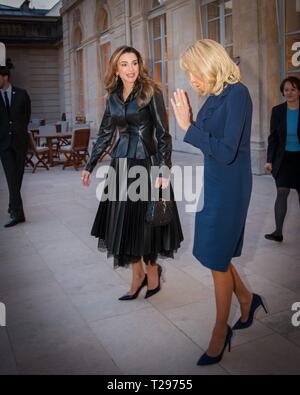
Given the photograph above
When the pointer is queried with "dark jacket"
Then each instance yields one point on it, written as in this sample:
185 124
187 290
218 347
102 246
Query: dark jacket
278 137
143 131
14 126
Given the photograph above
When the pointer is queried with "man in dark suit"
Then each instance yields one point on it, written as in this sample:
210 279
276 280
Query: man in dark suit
15 112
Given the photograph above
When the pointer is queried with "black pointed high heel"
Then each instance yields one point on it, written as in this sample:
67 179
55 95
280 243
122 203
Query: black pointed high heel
257 302
153 292
128 296
274 237
206 360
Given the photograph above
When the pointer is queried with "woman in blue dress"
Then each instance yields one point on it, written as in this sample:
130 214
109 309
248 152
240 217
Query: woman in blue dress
222 132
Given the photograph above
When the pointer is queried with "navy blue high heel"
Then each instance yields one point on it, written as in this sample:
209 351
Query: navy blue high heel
206 360
256 303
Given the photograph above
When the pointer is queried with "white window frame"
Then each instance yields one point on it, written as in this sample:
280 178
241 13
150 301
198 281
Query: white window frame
104 39
159 12
204 4
78 53
282 17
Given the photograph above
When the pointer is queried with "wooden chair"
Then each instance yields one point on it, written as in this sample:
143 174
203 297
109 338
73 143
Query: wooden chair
77 152
49 129
40 153
62 127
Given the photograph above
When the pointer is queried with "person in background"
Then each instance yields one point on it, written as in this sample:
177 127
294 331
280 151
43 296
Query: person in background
15 113
284 151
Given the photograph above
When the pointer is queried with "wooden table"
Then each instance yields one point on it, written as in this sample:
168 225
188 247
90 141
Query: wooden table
49 142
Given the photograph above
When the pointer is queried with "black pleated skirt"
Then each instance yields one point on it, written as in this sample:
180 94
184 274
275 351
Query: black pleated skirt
289 172
120 224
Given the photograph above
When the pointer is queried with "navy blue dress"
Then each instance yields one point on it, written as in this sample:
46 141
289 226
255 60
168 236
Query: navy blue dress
222 132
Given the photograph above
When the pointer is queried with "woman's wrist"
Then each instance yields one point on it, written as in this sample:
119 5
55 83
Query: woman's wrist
187 126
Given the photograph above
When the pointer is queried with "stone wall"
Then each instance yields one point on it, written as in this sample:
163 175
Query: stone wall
38 70
256 41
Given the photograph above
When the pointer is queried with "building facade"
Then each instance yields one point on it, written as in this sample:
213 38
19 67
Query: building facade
262 35
33 41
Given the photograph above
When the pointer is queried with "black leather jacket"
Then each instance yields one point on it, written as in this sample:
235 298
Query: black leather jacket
278 137
143 131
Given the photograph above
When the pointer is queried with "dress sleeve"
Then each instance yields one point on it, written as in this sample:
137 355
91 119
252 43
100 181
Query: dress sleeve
105 136
222 149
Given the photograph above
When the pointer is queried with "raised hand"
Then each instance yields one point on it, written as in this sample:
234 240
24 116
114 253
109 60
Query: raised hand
182 109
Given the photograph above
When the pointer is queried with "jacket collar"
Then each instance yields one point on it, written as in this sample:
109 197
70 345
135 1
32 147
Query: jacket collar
118 92
8 90
215 101
283 117
284 108
13 97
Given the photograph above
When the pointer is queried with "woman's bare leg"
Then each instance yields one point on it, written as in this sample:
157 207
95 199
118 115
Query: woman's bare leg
242 293
152 274
223 292
138 275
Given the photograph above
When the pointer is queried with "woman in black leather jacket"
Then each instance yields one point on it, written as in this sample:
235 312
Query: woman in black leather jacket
135 109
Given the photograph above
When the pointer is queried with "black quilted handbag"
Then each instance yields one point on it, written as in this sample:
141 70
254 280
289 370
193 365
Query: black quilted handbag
159 212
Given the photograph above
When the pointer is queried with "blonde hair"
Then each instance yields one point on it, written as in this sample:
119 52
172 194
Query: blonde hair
145 85
209 61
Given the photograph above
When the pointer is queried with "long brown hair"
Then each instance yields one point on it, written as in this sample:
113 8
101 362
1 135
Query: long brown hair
145 86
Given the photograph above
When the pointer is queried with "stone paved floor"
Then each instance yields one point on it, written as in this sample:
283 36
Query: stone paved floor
63 316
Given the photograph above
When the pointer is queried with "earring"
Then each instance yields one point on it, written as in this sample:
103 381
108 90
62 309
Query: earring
117 77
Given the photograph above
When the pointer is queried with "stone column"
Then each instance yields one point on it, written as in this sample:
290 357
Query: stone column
118 27
183 29
2 54
256 42
139 28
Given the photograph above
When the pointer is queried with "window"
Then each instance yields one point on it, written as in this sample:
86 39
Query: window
104 60
159 53
81 81
217 22
101 20
102 26
79 68
290 26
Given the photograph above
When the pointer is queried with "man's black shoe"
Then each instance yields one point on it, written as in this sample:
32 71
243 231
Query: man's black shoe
15 221
274 237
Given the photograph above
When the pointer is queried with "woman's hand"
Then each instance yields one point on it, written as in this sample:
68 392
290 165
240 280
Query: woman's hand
86 178
182 109
162 182
268 167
